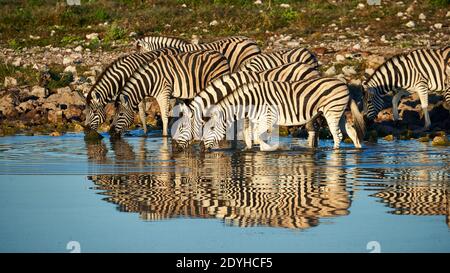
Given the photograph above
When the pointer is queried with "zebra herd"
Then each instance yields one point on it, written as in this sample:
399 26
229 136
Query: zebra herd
214 85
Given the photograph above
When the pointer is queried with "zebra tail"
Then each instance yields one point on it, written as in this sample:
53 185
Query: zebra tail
358 120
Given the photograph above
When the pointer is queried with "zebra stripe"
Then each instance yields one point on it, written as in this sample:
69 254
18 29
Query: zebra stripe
237 49
179 76
153 43
286 104
421 71
266 61
190 127
111 81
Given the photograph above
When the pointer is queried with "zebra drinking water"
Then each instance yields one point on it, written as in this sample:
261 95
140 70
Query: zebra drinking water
189 126
288 104
180 76
421 71
112 80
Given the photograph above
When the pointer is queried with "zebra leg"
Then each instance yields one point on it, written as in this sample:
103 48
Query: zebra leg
351 132
423 97
333 125
142 115
313 138
395 101
164 109
248 135
263 128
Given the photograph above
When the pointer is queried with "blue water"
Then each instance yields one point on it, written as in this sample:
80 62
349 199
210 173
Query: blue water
136 196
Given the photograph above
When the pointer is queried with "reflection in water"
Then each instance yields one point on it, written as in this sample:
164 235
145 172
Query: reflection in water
290 189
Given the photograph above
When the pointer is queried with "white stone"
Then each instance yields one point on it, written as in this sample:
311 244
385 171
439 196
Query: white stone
438 26
286 6
67 60
331 71
78 49
366 40
369 71
410 24
92 36
38 91
52 33
400 14
448 14
383 39
361 6
214 23
340 58
292 44
9 81
132 34
422 16
258 2
72 69
357 47
184 6
348 70
17 62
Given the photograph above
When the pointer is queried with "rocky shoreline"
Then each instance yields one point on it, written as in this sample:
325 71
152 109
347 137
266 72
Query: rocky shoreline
52 107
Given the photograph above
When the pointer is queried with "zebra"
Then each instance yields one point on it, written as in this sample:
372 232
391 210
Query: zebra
153 43
266 61
112 80
180 76
237 49
421 71
189 126
287 104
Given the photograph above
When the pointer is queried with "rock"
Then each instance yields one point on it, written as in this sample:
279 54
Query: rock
8 104
360 6
55 116
17 62
92 36
55 134
389 138
374 2
340 58
285 6
438 26
78 49
331 71
78 128
91 135
422 16
25 106
400 14
293 44
383 39
374 61
72 69
424 139
448 14
411 24
357 47
132 34
39 91
65 96
214 23
73 112
369 71
9 82
348 70
67 60
257 2
440 141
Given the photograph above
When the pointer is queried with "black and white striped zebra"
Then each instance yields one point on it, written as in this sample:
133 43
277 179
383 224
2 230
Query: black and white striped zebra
286 104
266 61
112 80
189 126
421 71
157 42
179 76
237 49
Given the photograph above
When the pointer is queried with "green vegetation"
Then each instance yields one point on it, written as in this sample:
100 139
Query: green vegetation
58 24
23 75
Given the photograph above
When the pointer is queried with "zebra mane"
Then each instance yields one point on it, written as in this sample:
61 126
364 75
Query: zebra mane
89 95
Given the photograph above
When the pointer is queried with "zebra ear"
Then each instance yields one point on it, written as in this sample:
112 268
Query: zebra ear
124 99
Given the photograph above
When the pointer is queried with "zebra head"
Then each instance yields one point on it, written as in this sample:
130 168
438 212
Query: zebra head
373 101
182 128
95 112
213 131
123 118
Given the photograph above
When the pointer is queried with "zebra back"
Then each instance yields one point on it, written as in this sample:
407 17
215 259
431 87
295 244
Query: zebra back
266 61
115 75
151 43
185 74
